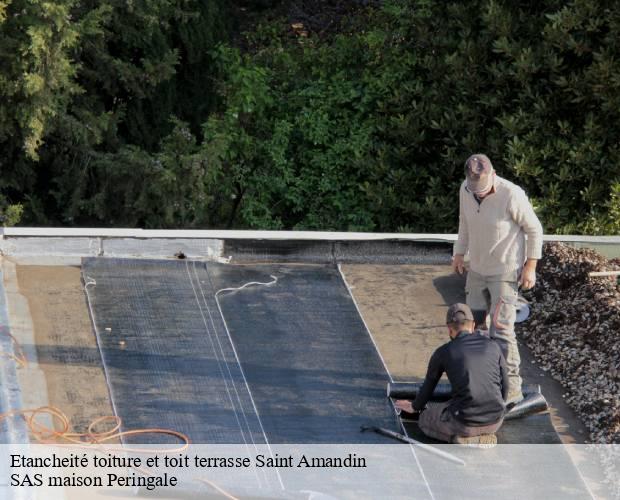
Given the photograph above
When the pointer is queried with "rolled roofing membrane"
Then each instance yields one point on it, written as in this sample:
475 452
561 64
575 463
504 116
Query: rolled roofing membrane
166 351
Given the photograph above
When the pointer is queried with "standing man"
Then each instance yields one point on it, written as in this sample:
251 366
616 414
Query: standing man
476 369
495 216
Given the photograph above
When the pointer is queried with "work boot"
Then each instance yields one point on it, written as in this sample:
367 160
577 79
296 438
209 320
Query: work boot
482 441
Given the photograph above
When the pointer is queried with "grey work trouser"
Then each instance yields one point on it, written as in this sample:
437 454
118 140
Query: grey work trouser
497 295
437 422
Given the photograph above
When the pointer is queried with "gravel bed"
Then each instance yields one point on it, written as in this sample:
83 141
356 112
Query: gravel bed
574 333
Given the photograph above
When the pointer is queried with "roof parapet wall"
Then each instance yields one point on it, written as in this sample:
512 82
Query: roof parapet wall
240 245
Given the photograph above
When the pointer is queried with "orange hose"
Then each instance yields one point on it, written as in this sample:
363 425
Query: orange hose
49 435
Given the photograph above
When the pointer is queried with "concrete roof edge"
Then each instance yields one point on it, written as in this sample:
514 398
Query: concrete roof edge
62 232
18 232
570 238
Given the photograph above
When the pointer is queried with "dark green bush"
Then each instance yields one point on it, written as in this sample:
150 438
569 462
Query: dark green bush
370 130
362 126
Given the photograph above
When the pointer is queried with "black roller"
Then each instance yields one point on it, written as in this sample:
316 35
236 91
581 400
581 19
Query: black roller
532 403
409 390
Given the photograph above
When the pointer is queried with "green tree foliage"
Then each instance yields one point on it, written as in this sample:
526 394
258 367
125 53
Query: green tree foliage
36 81
82 80
144 63
359 120
370 129
37 74
165 189
10 214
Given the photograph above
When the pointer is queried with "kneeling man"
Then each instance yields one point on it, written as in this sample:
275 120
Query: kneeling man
476 369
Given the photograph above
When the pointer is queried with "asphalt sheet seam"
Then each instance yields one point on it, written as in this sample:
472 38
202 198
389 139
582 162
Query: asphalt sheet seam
217 357
232 344
359 312
88 281
219 362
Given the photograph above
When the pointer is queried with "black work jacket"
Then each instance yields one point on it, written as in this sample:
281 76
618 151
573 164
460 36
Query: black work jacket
477 373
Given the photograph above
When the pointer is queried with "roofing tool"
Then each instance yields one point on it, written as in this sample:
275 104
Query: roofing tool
405 439
442 392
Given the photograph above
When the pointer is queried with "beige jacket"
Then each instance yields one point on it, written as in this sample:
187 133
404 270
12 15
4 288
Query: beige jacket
494 231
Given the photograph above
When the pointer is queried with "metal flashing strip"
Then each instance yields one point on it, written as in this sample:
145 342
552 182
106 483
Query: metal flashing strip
160 248
50 246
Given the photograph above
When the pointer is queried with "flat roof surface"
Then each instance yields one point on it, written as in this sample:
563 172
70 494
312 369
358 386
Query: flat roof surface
399 293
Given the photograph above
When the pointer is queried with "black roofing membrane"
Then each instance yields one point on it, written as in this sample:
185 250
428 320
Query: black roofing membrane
303 347
181 352
167 356
313 370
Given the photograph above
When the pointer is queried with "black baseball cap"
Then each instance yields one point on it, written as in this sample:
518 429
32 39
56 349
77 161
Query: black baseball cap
459 312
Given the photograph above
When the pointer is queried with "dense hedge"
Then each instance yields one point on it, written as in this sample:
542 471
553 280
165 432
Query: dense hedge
83 79
363 127
370 130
